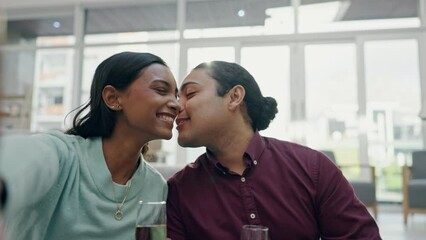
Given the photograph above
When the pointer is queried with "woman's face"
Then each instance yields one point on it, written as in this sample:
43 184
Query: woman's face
149 105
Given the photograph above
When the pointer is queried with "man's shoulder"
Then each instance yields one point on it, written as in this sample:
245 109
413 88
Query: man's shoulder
292 153
288 146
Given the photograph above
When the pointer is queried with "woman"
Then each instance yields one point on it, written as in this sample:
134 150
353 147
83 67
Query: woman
86 183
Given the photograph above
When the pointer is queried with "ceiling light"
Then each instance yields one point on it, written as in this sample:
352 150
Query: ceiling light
241 13
56 24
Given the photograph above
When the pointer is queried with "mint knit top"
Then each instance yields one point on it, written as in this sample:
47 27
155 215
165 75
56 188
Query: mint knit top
59 188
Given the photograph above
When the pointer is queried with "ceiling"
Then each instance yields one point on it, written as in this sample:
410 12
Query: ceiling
200 14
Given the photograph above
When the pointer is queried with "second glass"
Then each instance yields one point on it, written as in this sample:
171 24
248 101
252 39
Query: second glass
151 221
254 232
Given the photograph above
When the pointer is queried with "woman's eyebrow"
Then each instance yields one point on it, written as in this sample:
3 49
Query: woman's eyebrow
166 83
162 81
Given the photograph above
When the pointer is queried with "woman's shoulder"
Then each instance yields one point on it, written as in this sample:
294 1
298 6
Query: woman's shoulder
61 136
151 172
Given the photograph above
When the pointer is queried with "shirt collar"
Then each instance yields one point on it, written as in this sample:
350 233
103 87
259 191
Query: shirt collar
213 160
252 153
256 147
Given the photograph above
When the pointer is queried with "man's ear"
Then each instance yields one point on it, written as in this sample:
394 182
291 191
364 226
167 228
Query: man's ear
110 95
236 97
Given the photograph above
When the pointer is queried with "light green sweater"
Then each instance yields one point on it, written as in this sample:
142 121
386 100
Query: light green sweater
59 188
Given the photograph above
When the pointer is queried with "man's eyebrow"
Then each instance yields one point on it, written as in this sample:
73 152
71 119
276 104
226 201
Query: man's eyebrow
186 85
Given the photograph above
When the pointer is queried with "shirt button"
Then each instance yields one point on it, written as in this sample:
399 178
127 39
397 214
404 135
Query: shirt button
243 179
255 162
252 216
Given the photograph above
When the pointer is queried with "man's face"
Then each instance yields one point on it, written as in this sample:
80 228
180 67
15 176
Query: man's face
203 114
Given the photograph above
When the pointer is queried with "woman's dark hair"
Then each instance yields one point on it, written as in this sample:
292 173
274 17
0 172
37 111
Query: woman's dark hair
119 71
261 110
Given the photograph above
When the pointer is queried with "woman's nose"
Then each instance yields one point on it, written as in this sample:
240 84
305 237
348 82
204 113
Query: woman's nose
174 104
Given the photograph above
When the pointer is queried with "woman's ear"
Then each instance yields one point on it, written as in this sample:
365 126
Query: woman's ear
110 95
236 97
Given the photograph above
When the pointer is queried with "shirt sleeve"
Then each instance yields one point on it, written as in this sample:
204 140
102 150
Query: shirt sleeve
29 167
175 227
341 215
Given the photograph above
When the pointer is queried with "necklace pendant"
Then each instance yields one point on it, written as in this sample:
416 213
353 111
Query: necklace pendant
118 214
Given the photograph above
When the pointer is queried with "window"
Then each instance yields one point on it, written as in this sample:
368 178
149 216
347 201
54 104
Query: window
331 101
270 66
393 105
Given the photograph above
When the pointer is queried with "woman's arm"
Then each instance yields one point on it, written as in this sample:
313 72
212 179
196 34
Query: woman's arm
29 166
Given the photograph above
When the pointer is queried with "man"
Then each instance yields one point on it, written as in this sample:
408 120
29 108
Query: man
244 178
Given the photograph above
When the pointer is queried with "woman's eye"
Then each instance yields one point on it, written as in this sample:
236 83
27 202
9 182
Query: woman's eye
161 90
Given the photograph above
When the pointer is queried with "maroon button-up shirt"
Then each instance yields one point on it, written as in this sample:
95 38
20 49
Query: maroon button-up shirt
296 192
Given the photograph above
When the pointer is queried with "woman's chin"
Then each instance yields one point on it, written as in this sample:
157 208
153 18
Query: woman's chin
167 136
187 142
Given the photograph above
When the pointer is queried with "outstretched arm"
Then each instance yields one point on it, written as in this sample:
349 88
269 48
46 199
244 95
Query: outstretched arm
29 166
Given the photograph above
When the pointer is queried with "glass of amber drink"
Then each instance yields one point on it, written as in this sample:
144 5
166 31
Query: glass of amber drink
151 221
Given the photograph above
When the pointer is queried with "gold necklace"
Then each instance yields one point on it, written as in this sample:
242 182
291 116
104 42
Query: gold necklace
118 215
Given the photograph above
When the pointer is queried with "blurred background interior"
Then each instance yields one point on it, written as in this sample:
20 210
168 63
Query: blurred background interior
349 75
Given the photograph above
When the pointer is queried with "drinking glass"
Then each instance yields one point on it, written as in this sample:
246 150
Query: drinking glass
151 221
254 232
